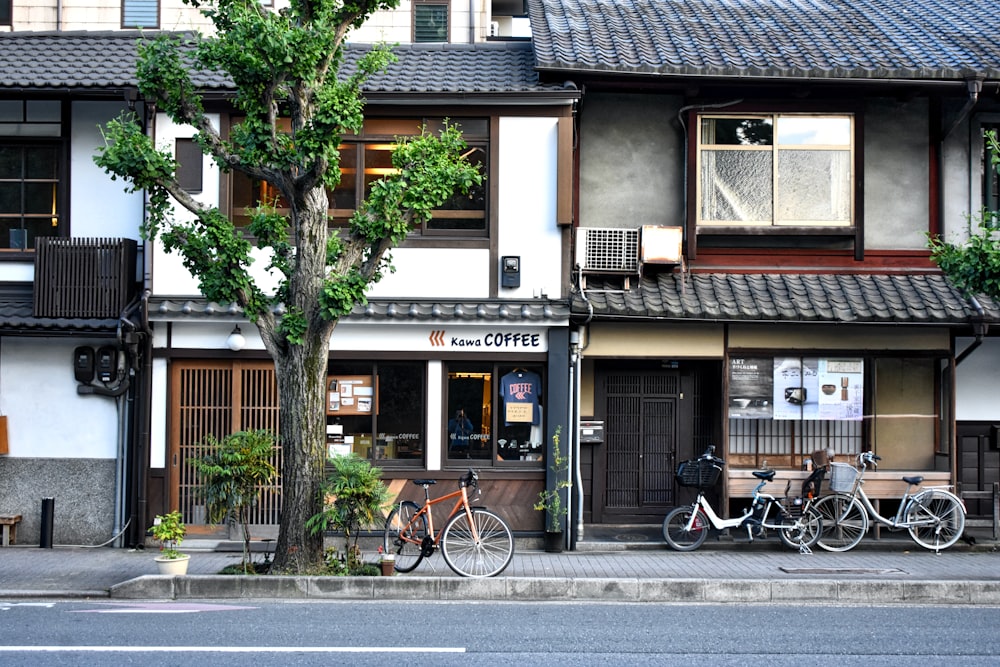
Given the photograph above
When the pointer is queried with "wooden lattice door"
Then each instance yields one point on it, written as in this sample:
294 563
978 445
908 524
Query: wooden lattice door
218 398
641 435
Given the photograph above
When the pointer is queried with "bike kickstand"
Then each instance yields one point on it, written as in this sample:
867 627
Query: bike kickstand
804 549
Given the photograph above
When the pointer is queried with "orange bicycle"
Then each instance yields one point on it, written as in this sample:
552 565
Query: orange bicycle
475 542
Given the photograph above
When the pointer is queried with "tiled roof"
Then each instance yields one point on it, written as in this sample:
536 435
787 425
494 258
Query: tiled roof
787 297
100 60
514 312
17 317
868 39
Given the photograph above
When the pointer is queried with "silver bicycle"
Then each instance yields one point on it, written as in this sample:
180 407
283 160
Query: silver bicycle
934 516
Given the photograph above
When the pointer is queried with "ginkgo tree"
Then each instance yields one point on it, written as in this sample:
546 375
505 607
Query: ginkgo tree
295 105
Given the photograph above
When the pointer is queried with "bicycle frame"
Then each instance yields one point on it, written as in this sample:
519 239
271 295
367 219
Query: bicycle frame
718 523
896 522
461 497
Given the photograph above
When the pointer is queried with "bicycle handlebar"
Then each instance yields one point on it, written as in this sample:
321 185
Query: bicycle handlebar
709 455
470 478
869 458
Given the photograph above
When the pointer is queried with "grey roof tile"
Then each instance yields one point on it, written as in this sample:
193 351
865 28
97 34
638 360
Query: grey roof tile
922 298
876 39
106 60
17 317
166 309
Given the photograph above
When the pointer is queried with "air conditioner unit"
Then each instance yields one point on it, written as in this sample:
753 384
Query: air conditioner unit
601 250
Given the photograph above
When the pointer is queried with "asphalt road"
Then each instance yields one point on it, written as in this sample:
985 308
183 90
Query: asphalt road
480 633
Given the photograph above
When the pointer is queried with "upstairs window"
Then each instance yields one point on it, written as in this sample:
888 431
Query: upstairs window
31 158
5 12
430 21
775 170
367 157
140 13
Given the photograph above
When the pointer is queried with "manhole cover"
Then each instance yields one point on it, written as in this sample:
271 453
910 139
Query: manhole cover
841 570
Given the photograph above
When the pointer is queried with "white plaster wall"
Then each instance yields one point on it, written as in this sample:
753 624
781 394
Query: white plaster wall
526 208
45 416
99 206
527 205
978 381
437 272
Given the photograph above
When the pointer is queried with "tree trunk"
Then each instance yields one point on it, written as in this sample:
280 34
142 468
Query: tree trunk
301 375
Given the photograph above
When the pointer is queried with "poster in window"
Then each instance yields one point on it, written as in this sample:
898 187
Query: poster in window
751 381
796 388
520 391
841 389
349 395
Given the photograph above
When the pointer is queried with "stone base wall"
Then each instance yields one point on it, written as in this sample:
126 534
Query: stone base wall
83 489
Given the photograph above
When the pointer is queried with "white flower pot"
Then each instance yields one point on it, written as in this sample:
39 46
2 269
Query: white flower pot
173 565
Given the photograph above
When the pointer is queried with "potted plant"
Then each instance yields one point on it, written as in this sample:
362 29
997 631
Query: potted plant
551 502
169 531
387 561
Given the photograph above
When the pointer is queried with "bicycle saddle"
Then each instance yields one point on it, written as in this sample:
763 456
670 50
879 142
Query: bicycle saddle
424 482
766 475
915 481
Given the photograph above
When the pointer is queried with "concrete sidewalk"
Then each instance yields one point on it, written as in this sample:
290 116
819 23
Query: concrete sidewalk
877 572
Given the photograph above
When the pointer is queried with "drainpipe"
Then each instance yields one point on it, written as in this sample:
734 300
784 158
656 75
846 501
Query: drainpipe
574 367
472 21
979 330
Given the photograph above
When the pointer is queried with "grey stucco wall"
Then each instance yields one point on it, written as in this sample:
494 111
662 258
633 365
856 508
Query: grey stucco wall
83 489
897 155
631 159
632 166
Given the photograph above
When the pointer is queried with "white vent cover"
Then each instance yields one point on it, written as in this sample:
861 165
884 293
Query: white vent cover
661 245
600 250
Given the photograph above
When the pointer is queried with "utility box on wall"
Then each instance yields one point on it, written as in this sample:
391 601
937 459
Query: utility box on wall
591 432
510 271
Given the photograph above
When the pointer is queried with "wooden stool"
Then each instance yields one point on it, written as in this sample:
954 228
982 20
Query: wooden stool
9 523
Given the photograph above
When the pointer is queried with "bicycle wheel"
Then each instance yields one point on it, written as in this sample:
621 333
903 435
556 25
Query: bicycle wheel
804 530
404 535
845 522
935 519
486 557
675 530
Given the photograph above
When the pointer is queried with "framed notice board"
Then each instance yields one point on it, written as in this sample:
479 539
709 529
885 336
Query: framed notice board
349 395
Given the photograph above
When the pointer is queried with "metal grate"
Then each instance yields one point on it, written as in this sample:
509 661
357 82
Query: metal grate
84 278
608 250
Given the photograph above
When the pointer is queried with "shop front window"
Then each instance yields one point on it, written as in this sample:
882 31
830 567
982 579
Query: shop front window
376 411
495 414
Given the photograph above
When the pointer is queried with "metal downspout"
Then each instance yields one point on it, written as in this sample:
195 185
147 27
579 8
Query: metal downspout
979 329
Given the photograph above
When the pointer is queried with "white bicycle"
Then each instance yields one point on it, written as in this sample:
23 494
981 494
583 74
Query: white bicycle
934 516
686 527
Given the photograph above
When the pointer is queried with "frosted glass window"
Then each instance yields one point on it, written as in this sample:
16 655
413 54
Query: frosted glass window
782 169
733 181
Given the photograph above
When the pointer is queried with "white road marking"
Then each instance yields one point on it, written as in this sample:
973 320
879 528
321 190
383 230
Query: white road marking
230 649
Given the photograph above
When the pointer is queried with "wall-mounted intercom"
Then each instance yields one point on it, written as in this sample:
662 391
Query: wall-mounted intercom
510 271
83 364
107 363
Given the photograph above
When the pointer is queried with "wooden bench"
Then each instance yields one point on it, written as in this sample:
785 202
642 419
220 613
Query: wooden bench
9 523
888 485
994 495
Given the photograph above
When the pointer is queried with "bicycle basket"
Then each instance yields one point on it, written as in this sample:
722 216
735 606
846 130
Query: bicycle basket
698 472
842 477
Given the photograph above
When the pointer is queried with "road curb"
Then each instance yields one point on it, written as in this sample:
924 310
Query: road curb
539 589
